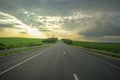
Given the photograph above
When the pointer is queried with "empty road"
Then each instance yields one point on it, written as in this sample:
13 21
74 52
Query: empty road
59 62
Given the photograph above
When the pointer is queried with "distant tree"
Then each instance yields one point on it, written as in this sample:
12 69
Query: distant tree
51 40
68 41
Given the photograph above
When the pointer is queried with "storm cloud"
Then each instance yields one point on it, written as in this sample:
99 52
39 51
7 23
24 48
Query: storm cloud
60 7
85 19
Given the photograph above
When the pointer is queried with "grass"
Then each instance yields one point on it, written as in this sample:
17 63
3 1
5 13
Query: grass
7 43
18 51
5 53
19 45
10 52
111 49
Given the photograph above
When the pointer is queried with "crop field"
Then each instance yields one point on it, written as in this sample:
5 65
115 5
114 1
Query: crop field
7 43
109 47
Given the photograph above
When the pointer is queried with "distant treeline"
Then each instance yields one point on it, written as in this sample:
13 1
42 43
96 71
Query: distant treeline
50 40
68 41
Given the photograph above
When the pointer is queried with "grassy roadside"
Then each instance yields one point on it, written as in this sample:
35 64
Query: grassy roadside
9 45
109 49
110 54
22 50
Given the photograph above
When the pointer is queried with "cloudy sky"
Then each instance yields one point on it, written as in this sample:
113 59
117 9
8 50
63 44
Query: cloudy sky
84 20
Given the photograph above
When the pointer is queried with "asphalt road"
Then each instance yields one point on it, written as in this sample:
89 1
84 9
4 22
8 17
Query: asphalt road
59 62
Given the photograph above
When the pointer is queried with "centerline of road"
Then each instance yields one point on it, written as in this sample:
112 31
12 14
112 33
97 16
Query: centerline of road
75 76
64 52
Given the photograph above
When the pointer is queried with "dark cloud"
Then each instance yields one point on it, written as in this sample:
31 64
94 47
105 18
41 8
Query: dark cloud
102 30
44 30
7 25
69 24
101 18
103 38
2 26
23 32
60 7
105 26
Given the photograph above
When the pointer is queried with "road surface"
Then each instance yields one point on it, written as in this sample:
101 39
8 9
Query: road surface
59 62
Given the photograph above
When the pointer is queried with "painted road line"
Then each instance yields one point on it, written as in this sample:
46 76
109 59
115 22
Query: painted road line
28 59
75 77
64 52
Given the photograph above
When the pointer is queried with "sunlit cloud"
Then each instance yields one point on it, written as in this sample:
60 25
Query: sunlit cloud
95 20
17 28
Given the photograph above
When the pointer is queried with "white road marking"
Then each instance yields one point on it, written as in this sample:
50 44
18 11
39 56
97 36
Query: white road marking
102 61
28 59
75 77
64 52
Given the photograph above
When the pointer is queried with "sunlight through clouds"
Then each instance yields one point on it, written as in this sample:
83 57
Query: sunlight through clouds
95 20
17 28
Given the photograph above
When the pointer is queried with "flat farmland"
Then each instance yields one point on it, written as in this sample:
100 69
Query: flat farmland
7 43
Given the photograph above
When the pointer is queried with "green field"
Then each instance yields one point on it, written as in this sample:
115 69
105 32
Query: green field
7 43
109 47
22 44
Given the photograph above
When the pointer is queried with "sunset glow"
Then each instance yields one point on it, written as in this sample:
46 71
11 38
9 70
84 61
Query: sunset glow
82 20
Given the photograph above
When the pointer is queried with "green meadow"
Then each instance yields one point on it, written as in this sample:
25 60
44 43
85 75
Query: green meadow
110 49
7 43
23 44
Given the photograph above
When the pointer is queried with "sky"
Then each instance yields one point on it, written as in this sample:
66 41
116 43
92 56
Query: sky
83 20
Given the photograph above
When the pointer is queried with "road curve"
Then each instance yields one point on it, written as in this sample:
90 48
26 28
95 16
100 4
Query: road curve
59 62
